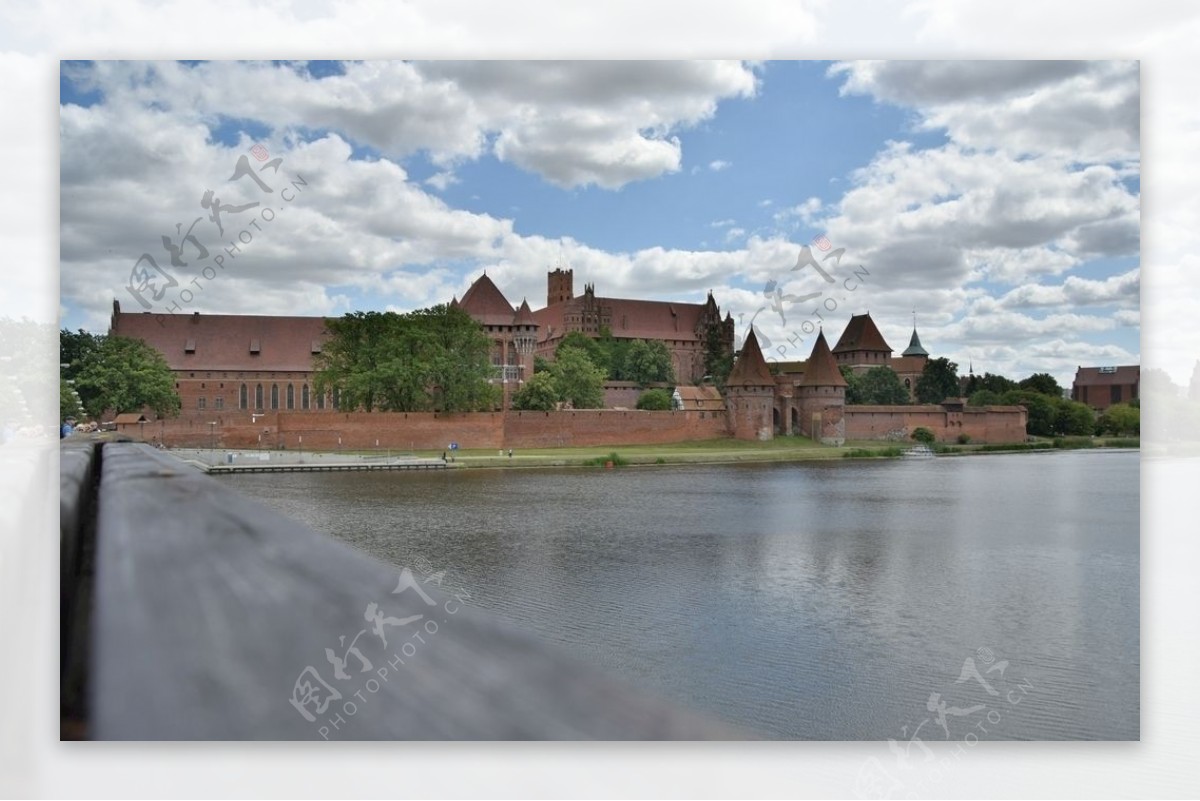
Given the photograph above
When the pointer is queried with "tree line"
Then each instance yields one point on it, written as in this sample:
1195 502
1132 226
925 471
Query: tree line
1050 413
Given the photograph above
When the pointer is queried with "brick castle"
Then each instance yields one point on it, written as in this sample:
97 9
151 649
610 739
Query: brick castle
247 381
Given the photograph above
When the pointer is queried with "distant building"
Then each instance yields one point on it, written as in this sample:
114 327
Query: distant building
513 332
1101 387
683 327
228 362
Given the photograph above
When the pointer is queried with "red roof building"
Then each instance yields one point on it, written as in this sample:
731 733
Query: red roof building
1101 387
683 327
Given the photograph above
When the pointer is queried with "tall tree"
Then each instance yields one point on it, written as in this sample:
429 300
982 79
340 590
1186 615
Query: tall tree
539 394
595 350
649 361
854 390
881 386
996 383
430 359
1042 412
1043 383
718 356
126 375
579 381
938 381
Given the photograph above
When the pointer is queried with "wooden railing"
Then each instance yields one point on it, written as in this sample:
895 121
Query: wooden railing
192 612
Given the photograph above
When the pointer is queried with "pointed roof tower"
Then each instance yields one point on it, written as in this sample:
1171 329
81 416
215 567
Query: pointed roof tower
524 314
861 334
914 346
821 369
486 303
750 369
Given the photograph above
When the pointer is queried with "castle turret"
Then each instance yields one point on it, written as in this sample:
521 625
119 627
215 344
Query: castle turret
821 397
750 394
560 286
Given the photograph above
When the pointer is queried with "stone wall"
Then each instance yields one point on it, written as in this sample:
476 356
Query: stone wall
990 424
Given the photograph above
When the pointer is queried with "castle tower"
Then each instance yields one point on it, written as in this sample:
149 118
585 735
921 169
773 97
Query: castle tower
560 286
750 394
861 346
821 397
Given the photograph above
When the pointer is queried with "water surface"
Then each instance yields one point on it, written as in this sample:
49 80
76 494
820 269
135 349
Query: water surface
826 600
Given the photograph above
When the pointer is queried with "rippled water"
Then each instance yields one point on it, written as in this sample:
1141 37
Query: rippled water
822 600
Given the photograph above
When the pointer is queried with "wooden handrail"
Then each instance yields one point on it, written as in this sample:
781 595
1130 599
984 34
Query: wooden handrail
215 617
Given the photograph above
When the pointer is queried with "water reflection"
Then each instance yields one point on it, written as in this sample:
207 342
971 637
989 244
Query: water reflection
822 601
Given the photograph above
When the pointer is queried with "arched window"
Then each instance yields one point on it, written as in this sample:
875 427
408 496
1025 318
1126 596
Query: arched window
243 398
274 396
258 397
304 397
291 397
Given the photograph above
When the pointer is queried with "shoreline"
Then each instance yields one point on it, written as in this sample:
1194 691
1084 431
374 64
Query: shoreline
710 453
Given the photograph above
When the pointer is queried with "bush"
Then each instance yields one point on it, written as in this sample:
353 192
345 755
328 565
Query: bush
654 400
924 435
868 453
963 439
602 461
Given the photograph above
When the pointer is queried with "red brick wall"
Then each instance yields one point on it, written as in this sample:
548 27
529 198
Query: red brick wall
991 424
425 430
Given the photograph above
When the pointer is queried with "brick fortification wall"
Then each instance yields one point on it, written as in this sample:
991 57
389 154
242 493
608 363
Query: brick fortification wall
592 427
991 424
428 431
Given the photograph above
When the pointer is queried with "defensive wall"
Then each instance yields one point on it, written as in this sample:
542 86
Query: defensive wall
432 431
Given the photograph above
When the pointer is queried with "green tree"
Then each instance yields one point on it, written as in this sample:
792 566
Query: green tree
854 391
1121 419
75 351
1074 419
996 383
1042 411
126 375
592 347
431 359
881 386
985 397
68 400
924 435
648 362
538 394
938 381
654 400
580 382
540 365
1043 383
718 356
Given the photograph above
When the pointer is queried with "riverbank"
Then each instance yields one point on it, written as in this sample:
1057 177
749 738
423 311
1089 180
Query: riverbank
716 451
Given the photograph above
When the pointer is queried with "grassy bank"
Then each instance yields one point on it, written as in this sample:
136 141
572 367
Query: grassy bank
720 451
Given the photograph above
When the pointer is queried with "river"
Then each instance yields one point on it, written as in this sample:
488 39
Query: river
837 600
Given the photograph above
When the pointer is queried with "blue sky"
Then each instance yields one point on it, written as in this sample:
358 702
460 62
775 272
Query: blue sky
1000 201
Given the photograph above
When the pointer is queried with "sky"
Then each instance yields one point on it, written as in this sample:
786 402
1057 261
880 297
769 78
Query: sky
998 202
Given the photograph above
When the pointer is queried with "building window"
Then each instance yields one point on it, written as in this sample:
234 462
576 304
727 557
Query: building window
243 398
258 396
219 402
200 402
304 397
291 397
1114 393
321 401
274 396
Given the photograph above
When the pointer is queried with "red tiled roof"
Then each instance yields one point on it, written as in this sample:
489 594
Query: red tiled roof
524 315
821 370
861 334
702 398
224 341
1107 376
632 319
487 304
750 369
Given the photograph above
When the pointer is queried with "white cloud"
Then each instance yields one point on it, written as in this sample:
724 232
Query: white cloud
442 180
1082 110
718 165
